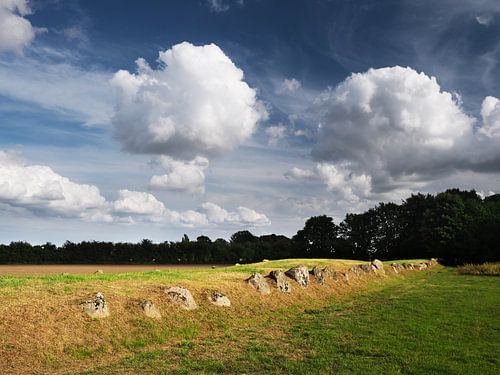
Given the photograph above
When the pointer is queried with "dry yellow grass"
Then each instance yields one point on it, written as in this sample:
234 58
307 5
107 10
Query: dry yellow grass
42 329
485 269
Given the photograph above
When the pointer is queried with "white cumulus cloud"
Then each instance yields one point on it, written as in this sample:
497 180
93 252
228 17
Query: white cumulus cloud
181 175
16 32
243 215
490 113
38 188
396 125
42 191
300 174
138 203
195 103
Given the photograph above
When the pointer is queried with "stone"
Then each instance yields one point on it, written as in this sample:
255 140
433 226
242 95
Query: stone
420 266
397 267
356 271
265 260
345 276
150 310
182 297
299 274
378 266
282 282
319 275
259 283
96 308
97 272
367 268
213 267
329 273
218 299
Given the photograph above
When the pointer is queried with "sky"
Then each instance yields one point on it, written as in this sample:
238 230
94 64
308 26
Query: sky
124 120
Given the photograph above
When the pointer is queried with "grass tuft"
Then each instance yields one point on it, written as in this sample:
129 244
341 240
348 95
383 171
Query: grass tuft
485 269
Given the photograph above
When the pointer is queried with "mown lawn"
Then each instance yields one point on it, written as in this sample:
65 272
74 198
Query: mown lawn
432 322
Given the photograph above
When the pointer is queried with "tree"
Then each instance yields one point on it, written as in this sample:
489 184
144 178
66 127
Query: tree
242 237
318 237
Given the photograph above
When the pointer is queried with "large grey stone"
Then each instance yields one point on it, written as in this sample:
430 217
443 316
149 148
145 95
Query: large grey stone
299 274
329 273
397 267
367 268
150 310
356 271
218 299
182 297
345 276
319 275
259 283
282 282
97 307
378 266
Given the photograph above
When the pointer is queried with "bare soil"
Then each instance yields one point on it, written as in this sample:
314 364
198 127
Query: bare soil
82 269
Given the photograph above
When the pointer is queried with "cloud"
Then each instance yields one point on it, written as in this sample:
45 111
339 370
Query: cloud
16 32
138 203
490 113
70 91
145 207
40 189
300 174
350 186
289 85
484 19
275 133
195 104
218 6
251 217
181 175
338 179
398 127
243 215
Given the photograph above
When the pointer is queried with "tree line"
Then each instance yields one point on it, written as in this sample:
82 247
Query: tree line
454 226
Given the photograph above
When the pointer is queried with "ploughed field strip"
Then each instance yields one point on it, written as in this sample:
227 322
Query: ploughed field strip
57 324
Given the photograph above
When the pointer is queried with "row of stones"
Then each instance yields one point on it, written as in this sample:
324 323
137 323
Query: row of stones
98 307
301 275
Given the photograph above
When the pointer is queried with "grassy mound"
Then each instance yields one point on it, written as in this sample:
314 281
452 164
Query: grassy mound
43 331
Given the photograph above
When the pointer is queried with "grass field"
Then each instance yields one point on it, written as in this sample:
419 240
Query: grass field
434 321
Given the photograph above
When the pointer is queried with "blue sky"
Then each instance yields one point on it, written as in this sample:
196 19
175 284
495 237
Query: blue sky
122 120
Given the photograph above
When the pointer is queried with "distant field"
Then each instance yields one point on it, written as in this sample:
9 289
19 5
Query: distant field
427 322
81 269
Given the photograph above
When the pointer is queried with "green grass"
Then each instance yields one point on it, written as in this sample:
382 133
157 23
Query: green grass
431 322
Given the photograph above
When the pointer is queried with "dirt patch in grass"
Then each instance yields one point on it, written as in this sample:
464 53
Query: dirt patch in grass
86 269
